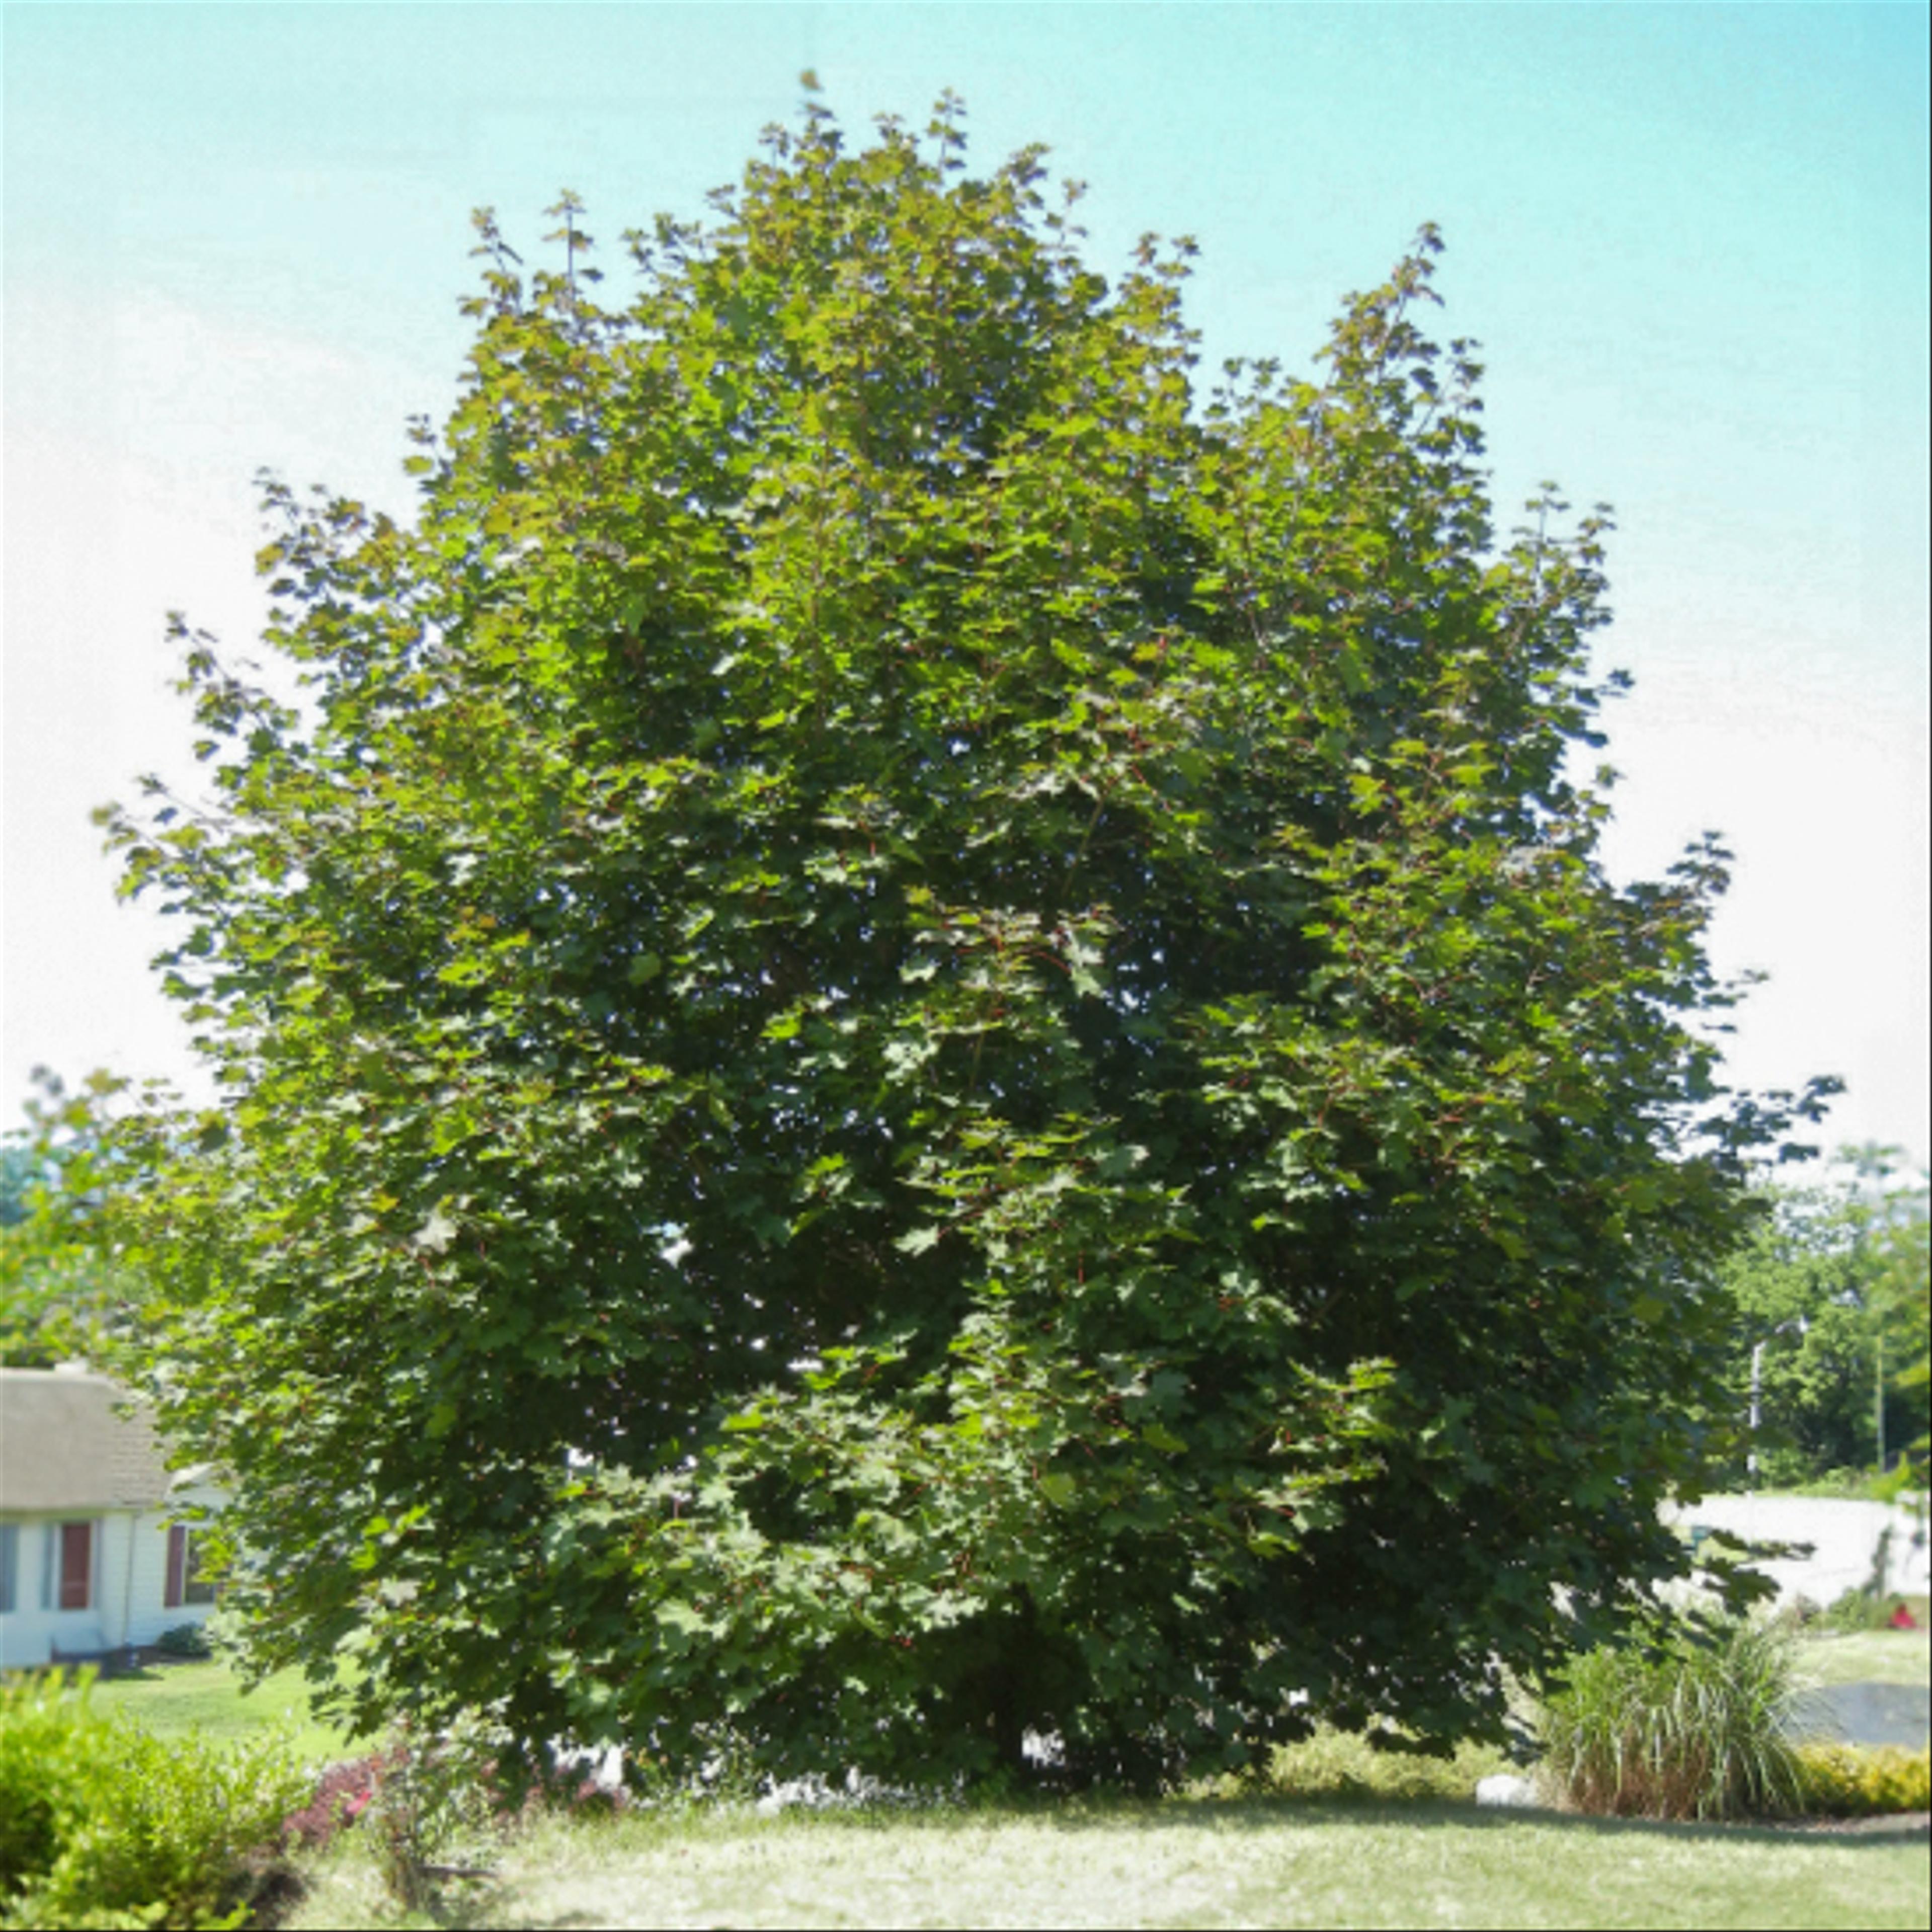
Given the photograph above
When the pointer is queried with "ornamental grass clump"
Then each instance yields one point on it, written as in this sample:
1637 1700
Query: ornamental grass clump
1691 1725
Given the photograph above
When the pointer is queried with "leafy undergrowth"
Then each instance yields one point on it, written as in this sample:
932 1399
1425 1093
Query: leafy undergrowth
1202 1863
1337 1833
103 1824
1338 1764
1387 1840
1843 1781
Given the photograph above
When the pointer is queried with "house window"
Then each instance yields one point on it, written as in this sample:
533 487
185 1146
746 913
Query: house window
10 1562
75 1541
186 1583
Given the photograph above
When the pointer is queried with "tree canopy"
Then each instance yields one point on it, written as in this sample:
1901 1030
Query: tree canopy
921 1035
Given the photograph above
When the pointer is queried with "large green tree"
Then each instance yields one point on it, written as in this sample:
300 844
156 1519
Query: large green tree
921 1039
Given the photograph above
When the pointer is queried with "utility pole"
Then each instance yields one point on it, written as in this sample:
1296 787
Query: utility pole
1798 1322
1878 1402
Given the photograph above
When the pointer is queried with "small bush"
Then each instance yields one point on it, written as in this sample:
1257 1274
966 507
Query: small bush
431 1797
1689 1726
342 1794
105 1824
185 1640
1344 1765
1857 1781
49 1740
1858 1609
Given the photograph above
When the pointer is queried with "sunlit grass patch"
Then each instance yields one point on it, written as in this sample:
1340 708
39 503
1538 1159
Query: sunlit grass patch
1867 1657
170 1699
1209 1863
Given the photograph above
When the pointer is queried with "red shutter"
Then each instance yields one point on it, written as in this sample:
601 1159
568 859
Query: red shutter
172 1598
76 1564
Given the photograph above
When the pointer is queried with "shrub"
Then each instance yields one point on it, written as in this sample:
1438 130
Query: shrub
421 1806
49 1738
105 1824
1861 1609
1690 1725
1342 1764
185 1640
429 1798
1856 1781
342 1795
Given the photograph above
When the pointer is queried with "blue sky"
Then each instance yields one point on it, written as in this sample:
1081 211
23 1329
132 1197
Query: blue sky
1692 239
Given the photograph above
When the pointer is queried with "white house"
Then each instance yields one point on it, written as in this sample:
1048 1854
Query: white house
93 1554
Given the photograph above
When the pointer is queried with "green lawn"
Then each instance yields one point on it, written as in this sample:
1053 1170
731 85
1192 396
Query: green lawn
1873 1657
1329 1857
1211 1863
171 1698
1322 1850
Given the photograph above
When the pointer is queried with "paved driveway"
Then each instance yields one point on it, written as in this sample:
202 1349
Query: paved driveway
1866 1713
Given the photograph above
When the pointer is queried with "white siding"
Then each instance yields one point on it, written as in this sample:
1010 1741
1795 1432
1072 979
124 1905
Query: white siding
128 1599
150 1615
33 1630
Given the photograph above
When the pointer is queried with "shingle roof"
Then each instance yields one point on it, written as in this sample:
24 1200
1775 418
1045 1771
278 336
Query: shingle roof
63 1446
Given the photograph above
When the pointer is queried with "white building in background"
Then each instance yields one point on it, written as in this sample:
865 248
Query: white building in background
93 1555
1844 1542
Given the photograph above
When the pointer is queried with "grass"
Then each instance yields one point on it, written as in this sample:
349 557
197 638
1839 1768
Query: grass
1355 1857
1868 1657
171 1699
1205 1863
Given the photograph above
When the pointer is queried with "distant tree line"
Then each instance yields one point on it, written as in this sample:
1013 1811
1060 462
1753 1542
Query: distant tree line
60 1298
1830 1293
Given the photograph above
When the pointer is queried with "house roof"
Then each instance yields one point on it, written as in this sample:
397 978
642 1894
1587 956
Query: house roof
64 1446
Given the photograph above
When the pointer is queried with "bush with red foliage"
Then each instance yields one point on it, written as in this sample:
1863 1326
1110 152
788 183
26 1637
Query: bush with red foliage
342 1794
346 1790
